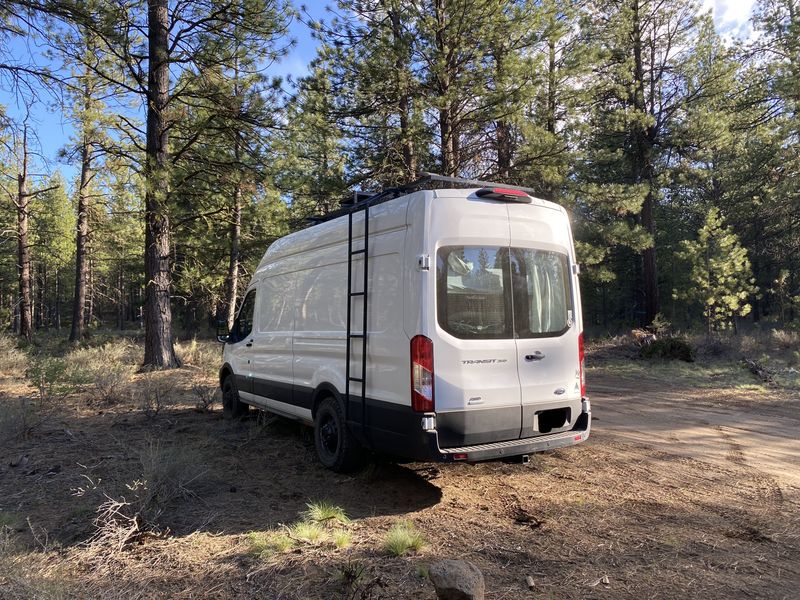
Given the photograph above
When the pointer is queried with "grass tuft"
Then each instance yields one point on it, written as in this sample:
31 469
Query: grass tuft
268 543
342 539
325 512
402 538
308 532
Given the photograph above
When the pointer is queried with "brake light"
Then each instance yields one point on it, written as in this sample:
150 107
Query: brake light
422 399
499 193
582 360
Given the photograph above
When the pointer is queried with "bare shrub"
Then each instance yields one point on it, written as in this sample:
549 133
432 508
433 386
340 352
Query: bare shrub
13 361
168 473
205 396
153 393
786 339
110 382
749 345
713 346
19 418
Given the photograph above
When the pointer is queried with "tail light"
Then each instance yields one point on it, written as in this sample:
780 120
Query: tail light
422 374
582 360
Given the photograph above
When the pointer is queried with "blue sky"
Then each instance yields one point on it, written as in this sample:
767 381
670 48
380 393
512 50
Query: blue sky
730 16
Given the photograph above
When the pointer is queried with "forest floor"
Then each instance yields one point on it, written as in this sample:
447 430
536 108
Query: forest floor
689 486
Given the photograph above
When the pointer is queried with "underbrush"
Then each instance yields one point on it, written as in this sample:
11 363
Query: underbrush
203 354
108 368
719 360
672 347
13 361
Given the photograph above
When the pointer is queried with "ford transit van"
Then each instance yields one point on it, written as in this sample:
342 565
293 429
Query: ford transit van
428 324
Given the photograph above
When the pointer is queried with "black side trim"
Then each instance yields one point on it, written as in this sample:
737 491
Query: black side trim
276 390
243 383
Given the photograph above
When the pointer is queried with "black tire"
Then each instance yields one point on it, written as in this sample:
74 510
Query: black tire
337 448
232 405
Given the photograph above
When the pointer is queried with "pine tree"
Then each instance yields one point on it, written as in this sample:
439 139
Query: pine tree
646 48
311 164
719 273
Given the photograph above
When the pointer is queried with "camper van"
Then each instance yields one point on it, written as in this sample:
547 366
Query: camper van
428 323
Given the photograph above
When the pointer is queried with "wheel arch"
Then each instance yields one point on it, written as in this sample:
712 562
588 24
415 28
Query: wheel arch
225 371
322 391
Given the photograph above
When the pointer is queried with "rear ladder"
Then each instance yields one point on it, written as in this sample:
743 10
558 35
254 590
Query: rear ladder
362 335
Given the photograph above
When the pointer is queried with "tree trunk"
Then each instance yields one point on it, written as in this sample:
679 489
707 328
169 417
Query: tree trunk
447 132
158 348
57 305
23 251
233 263
404 98
502 127
120 300
81 262
643 173
650 271
551 87
41 282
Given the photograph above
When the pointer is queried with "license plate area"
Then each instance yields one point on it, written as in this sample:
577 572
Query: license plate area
554 419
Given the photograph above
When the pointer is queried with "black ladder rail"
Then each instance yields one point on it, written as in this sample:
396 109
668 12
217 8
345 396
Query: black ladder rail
350 336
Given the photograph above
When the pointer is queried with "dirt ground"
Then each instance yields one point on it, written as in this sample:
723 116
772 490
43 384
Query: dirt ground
681 492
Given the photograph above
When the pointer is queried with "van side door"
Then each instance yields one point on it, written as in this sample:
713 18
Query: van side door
241 344
273 376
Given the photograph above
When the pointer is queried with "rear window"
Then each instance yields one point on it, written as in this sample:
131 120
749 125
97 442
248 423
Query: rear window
487 292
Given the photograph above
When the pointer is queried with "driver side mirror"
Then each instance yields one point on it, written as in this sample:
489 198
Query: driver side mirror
223 335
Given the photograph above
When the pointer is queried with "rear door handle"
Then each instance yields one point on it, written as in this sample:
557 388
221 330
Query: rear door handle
535 356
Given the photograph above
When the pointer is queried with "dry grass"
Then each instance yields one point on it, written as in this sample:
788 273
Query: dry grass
325 512
312 533
205 355
13 361
403 538
267 544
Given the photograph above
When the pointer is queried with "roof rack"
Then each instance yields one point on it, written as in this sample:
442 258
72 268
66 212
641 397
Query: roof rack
428 181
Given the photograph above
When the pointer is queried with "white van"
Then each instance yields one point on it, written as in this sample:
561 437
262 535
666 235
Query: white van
472 314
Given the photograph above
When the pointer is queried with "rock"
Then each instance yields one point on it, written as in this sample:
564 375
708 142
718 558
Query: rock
457 580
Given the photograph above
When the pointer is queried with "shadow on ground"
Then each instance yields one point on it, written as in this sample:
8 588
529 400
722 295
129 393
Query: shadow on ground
231 477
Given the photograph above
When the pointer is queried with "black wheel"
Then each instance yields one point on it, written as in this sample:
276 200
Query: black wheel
232 406
336 447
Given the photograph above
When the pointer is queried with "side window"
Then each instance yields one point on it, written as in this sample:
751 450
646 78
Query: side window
243 324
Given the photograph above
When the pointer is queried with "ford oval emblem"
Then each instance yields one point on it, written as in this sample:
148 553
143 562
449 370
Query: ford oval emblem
559 391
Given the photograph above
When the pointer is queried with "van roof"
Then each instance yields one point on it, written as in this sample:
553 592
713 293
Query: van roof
318 234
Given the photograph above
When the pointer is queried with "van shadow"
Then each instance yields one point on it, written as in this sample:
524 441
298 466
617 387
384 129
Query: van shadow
264 474
223 477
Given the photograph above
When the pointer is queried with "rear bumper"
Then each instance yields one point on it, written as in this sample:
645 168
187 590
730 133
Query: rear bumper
579 433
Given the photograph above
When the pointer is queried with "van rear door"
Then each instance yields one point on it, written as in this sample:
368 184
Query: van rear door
546 318
477 385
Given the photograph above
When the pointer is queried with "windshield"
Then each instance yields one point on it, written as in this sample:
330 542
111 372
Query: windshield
497 292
